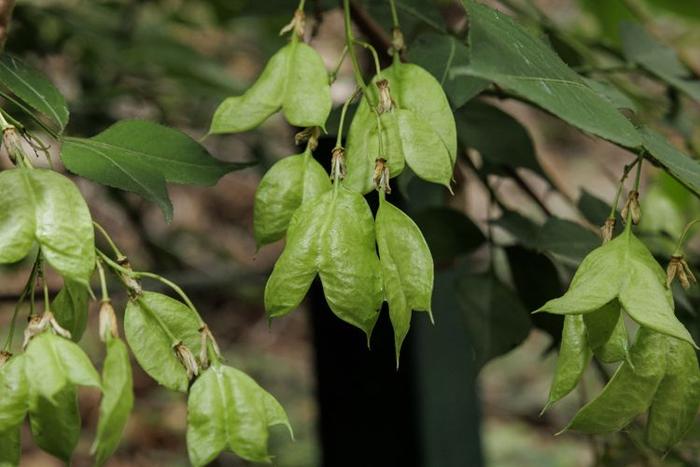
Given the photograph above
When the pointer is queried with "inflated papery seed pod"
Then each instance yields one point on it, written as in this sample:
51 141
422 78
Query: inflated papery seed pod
416 125
407 268
294 80
332 236
672 413
630 391
574 355
606 333
289 183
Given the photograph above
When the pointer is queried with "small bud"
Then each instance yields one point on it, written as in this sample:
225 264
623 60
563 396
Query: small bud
12 144
678 267
4 357
381 176
108 321
338 163
206 337
184 354
297 24
310 134
607 229
632 207
386 103
398 44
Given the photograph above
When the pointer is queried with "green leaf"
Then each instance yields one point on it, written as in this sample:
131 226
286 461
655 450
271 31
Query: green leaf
500 139
568 241
294 80
624 269
641 48
15 392
332 236
685 169
141 156
117 400
46 207
71 308
54 363
506 53
682 8
676 402
594 209
607 334
612 94
34 89
153 324
439 54
448 232
496 321
10 447
286 186
573 359
55 424
631 389
420 130
227 410
407 268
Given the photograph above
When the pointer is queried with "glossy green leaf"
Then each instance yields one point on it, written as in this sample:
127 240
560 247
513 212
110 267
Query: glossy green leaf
53 363
71 308
612 94
607 334
332 236
684 168
228 411
675 405
630 391
448 232
294 80
641 48
624 269
148 322
289 183
55 424
407 268
43 206
34 89
423 132
10 447
141 156
496 321
573 359
15 392
117 400
500 139
439 54
506 53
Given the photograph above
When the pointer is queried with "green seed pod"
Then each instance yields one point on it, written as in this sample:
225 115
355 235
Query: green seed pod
606 333
630 391
407 268
332 236
289 183
677 399
574 355
294 80
417 124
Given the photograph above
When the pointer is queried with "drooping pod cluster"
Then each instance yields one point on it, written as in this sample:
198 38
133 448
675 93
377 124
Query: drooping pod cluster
658 373
403 119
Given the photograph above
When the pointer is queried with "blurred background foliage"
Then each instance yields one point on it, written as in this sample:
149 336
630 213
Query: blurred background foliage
530 194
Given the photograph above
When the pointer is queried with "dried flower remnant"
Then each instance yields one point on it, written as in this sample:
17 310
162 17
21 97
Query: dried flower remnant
607 229
184 354
632 207
678 267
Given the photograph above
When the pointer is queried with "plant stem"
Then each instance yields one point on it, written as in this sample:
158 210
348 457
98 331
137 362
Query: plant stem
343 111
301 5
103 280
334 73
20 302
638 177
173 286
394 14
628 168
350 42
679 246
374 53
109 240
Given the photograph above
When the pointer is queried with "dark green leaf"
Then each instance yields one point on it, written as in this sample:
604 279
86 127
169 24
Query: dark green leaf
34 89
154 323
10 447
685 169
117 400
15 392
567 240
449 233
573 359
594 209
506 53
71 308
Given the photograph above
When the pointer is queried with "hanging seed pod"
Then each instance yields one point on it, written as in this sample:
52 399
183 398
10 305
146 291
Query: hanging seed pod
295 80
632 207
416 126
678 267
606 231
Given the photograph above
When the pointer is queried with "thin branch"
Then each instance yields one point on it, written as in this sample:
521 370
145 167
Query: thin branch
6 7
